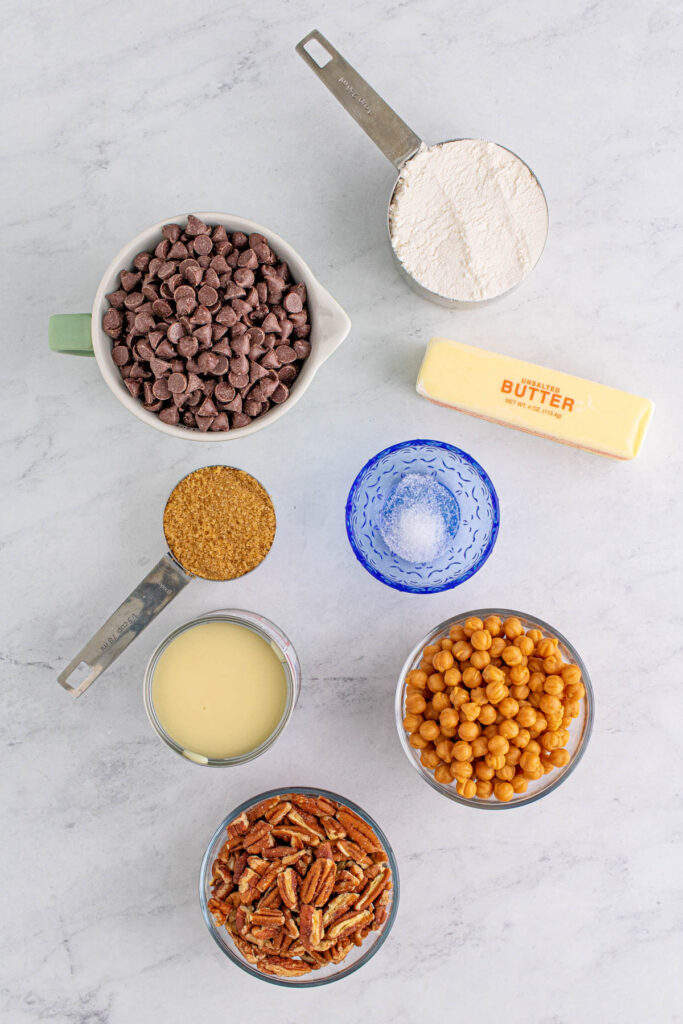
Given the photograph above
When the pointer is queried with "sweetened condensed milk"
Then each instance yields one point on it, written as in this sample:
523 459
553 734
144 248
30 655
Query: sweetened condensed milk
219 689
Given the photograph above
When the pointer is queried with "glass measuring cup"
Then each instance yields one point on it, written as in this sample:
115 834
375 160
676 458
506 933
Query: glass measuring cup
398 142
152 594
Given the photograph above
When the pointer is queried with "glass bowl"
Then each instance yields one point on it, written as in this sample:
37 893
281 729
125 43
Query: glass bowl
477 505
279 643
579 731
358 956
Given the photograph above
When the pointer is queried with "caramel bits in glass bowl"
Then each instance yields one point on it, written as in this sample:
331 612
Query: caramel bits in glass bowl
494 708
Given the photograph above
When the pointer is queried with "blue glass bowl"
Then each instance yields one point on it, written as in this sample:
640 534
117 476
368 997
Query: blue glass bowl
470 486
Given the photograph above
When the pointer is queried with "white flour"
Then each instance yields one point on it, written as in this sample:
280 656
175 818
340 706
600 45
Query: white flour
468 219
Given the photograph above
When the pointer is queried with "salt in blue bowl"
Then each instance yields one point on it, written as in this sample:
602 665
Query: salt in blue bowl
477 528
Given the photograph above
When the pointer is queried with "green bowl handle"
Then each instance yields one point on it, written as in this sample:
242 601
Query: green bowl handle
70 333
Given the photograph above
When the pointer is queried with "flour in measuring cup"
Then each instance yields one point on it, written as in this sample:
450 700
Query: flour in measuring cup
468 219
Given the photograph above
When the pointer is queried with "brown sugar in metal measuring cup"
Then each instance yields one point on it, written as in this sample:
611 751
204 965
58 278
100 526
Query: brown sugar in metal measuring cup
219 524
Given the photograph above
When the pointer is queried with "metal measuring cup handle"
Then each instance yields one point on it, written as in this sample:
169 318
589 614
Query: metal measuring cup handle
151 595
397 141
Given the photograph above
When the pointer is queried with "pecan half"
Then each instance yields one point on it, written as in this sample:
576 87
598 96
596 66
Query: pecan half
359 830
310 926
283 966
288 886
349 923
317 886
338 906
373 889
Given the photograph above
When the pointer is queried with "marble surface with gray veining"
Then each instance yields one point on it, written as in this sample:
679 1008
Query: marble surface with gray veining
120 114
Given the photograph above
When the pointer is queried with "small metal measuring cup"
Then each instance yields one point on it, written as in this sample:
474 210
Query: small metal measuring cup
392 135
152 594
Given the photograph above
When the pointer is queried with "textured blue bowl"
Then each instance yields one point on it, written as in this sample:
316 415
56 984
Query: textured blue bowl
467 482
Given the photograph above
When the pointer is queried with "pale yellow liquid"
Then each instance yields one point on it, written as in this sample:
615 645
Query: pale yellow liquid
219 689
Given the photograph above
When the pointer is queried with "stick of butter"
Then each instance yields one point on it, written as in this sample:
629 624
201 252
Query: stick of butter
532 398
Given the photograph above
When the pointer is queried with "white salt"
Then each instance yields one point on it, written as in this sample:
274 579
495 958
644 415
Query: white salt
419 519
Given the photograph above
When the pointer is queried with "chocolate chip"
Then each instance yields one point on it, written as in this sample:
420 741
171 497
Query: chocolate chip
240 419
141 261
195 226
202 245
252 408
243 277
239 364
201 322
170 415
177 384
212 279
160 389
226 316
207 408
120 355
280 395
240 345
220 422
302 349
178 251
144 322
133 300
201 315
271 324
175 332
116 299
268 385
248 259
206 361
224 392
219 264
161 308
287 374
166 270
144 351
112 323
271 361
159 366
165 350
129 280
292 302
285 354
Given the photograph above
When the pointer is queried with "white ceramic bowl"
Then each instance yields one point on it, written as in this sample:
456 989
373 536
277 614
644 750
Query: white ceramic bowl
329 325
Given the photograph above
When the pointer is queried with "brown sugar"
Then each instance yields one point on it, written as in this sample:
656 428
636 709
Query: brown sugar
219 523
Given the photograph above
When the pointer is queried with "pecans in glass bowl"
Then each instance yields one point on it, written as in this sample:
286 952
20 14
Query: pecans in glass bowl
299 887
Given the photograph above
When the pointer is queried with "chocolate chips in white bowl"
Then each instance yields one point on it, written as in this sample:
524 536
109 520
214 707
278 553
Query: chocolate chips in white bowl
209 330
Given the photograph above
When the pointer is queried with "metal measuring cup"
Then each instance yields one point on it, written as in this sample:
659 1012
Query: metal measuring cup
397 141
152 594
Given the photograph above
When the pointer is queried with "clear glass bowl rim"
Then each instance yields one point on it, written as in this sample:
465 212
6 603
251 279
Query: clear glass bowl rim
266 629
418 442
314 982
450 793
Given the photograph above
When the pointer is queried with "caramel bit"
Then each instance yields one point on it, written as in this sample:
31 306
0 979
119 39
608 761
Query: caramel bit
490 707
291 909
219 523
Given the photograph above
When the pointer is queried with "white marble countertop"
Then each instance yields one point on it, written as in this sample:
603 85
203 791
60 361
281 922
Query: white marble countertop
121 114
